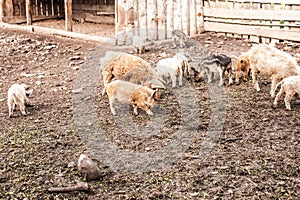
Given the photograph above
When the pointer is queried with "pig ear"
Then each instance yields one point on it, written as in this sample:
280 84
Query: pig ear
28 92
134 97
25 86
154 93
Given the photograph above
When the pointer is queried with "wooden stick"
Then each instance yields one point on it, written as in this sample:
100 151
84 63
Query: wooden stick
80 186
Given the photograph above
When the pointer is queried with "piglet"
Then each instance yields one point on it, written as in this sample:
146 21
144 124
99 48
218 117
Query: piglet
18 95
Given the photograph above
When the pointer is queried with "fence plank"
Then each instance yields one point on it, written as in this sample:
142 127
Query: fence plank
9 9
2 3
151 15
161 19
170 18
193 16
177 15
28 13
49 6
101 8
254 31
200 15
253 14
184 16
143 18
55 7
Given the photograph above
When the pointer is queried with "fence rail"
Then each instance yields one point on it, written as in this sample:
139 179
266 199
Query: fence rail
260 20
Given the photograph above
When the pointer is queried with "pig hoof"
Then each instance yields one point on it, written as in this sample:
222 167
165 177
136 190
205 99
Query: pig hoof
150 113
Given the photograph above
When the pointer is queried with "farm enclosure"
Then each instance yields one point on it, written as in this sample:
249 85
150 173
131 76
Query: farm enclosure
256 155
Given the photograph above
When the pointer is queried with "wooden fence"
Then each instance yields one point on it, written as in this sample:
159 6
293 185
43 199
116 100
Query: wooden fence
155 19
257 20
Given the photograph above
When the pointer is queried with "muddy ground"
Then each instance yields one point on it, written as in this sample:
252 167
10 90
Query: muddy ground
255 155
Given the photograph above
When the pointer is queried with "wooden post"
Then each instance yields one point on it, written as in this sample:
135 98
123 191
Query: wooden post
9 8
38 7
28 13
200 15
120 25
161 19
68 15
170 18
61 9
151 20
143 18
193 18
1 9
55 9
49 6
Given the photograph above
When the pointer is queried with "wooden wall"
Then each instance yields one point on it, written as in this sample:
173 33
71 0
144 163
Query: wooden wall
96 11
155 19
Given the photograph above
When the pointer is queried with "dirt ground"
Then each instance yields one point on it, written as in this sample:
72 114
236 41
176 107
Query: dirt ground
255 156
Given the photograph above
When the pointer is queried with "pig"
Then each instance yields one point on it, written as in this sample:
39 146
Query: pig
123 66
242 65
18 95
130 93
178 35
290 86
272 62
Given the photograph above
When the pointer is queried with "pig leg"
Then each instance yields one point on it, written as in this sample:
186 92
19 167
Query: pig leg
209 75
221 74
181 41
237 75
22 108
279 96
107 78
111 103
246 72
174 41
135 109
11 108
274 83
146 108
230 77
173 77
255 82
288 98
180 76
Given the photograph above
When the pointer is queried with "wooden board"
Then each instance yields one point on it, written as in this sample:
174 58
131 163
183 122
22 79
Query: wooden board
22 19
142 17
169 17
161 19
255 31
252 14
